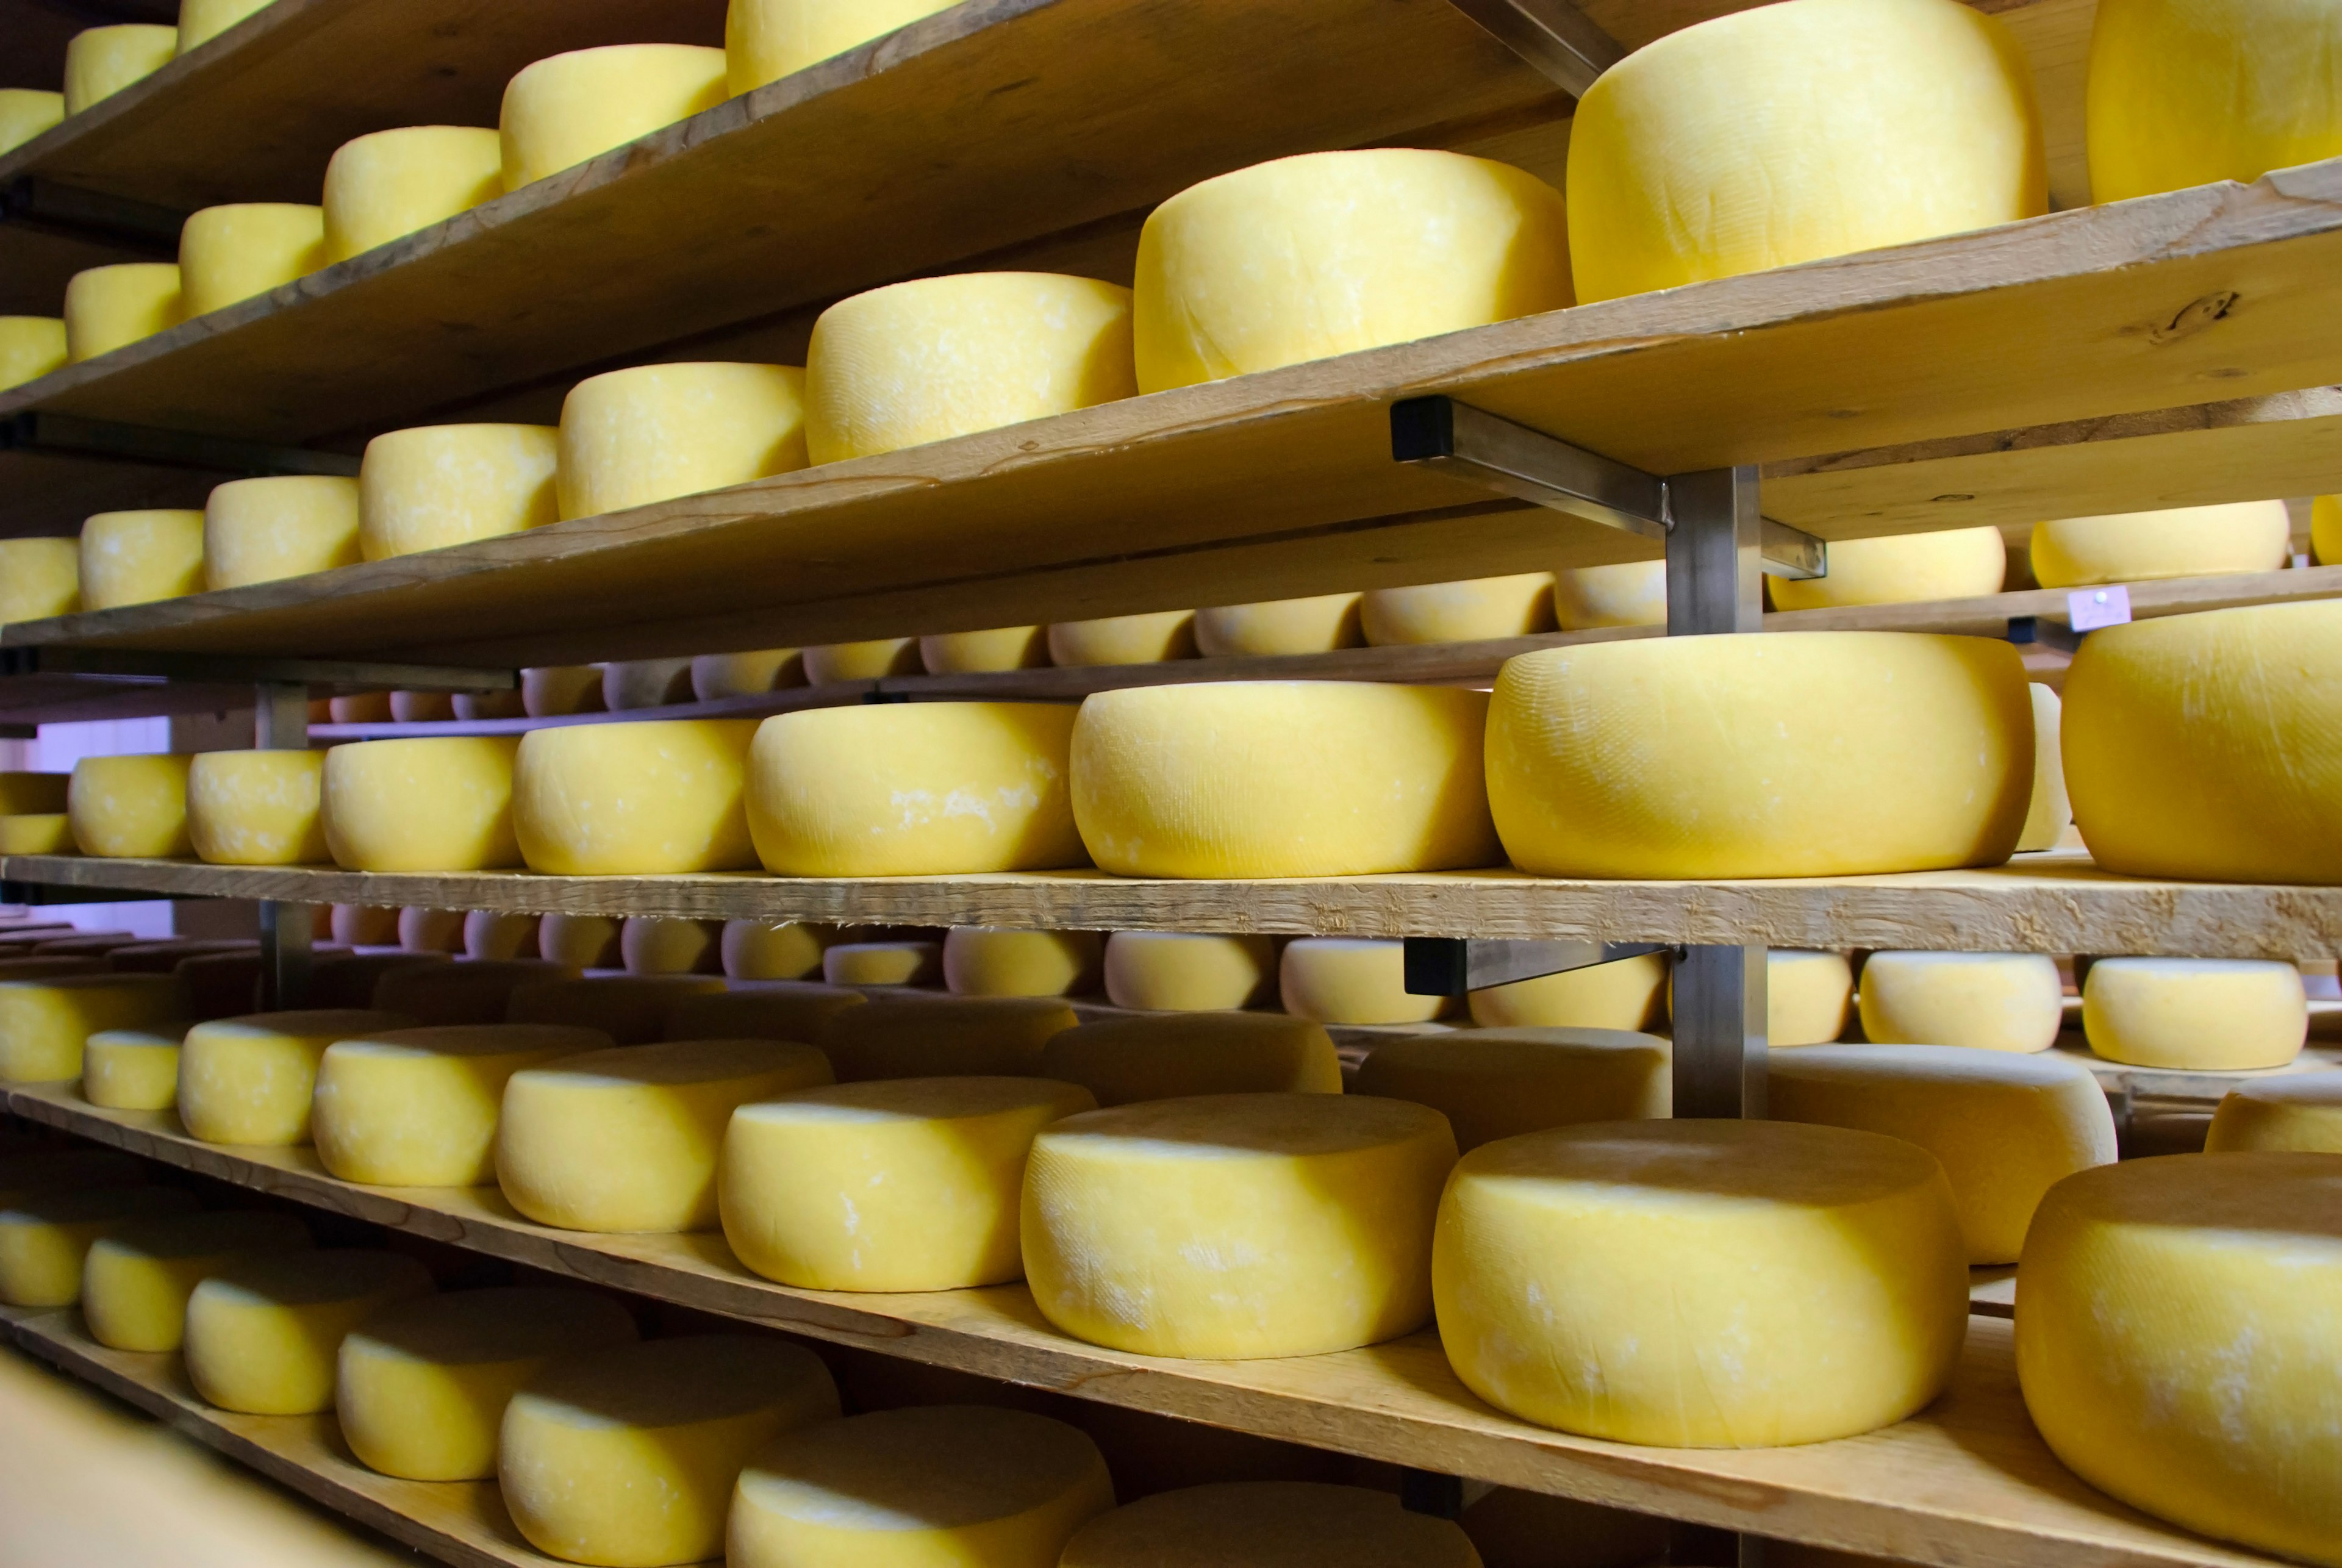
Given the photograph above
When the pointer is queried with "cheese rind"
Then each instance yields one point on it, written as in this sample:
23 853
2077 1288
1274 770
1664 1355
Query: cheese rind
442 485
138 557
261 530
2301 1114
1984 1000
1474 611
714 677
1632 593
231 254
419 1107
1123 1061
883 964
1187 972
1155 638
25 113
42 832
773 949
256 807
580 940
1351 980
135 1280
871 660
993 961
250 1080
2139 546
262 1333
130 807
1270 1524
430 931
2224 1014
1808 996
201 21
39 578
391 183
649 945
787 1011
943 1036
633 799
495 937
1493 1084
111 307
1901 569
2051 812
1279 627
984 653
102 61
441 803
631 437
562 110
766 40
46 1235
45 1022
132 1069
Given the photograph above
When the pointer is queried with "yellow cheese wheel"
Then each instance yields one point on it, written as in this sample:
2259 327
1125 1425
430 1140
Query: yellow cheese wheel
1799 753
565 109
478 991
30 345
102 61
632 1009
1795 131
1312 625
1632 593
442 485
1305 257
1984 1000
137 558
360 708
883 964
716 676
249 1079
1187 972
1814 1280
420 1388
27 1172
1229 1226
2324 524
866 661
130 806
256 807
2226 1014
25 113
441 803
431 930
1282 778
45 1022
1351 980
2186 542
2051 812
766 40
914 789
364 925
132 1069
626 1457
201 21
1271 1524
633 799
630 437
993 961
2302 1114
984 653
645 684
910 1185
943 1036
417 1107
1901 569
23 791
45 1237
1467 612
1494 1083
649 945
263 1333
1808 996
386 186
2174 1342
781 1011
773 949
230 253
110 307
494 936
260 530
1122 1061
44 833
135 1280
39 578
949 1484
1153 638
625 1140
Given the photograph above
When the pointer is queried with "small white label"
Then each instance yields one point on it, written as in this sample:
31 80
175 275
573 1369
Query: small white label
2091 608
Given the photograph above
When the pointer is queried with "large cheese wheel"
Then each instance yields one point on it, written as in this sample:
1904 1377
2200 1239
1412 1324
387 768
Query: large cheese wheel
1229 1226
1799 753
716 676
2227 1014
914 789
1155 638
417 1107
1814 1280
2051 812
1985 1001
110 307
866 661
565 109
262 1333
1795 131
943 1036
256 807
386 186
625 1140
43 1022
2302 1113
883 964
478 991
649 945
31 1171
633 799
1279 626
781 1011
132 1069
1282 778
1305 257
944 356
135 1280
630 437
1469 612
130 806
1270 1524
45 1237
25 113
259 530
632 1009
949 1484
30 345
1901 569
766 40
911 1184
2174 1342
2186 542
441 803
442 485
420 1388
495 937
1351 980
1808 996
1632 593
1123 1061
138 557
39 578
1187 972
44 833
984 653
102 61
774 949
230 253
993 961
1494 1083
201 21
250 1080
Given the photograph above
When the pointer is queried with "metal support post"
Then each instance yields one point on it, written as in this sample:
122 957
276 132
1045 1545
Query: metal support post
281 723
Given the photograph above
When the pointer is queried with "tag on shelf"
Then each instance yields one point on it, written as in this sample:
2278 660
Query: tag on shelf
2087 609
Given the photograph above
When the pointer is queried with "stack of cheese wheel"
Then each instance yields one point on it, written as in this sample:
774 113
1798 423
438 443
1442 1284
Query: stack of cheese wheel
986 652
256 807
992 961
766 40
2136 546
251 1080
1279 626
102 61
1473 612
633 799
386 186
1493 1084
1988 1001
1351 980
445 804
1632 593
774 949
2186 92
45 1022
562 111
229 253
2226 1014
632 1009
953 1036
419 1107
111 307
1152 638
2300 1113
138 557
39 578
45 1237
442 485
630 437
135 1281
1124 1060
1270 1524
263 1332
1901 569
1629 994
259 530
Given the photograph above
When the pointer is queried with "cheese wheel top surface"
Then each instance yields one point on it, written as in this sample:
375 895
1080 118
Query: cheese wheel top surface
1123 1061
925 1467
664 1382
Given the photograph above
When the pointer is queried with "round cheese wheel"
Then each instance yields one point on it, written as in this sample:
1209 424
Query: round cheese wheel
631 437
1229 1226
31 1171
1816 1281
442 485
937 1484
766 40
30 345
943 1036
45 832
943 356
1282 778
1122 1061
910 1185
1901 569
1467 612
867 661
883 964
914 789
2174 1342
551 691
1305 257
784 1010
993 961
626 1457
645 684
478 991
633 799
2051 812
201 21
102 61
360 708
648 945
1270 1524
417 1107
263 1333
130 807
138 557
39 578
256 807
1351 980
984 653
1795 131
135 1280
625 1140
492 935
260 530
109 307
1808 996
25 113
566 108
2138 546
1632 593
2324 521
2224 1014
389 185
249 1079
1984 1000
431 930
716 676
420 1388
231 254
1278 626
132 1069
632 1009
1187 972
1154 638
1799 753
45 1237
441 803
773 949
1496 1083
422 707
364 925
2303 1115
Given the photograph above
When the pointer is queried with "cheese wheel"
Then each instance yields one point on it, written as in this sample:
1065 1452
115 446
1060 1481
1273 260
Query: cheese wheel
389 185
45 1237
231 254
911 1184
2139 546
984 653
132 1069
943 1036
30 345
1497 1083
1187 972
625 1140
1808 997
2223 1014
927 789
580 940
943 356
648 945
1984 1000
1632 593
633 799
716 676
1154 638
249 1079
867 661
39 578
773 949
22 791
993 961
626 1457
1270 1524
566 108
1230 1226
1901 569
261 530
430 930
1123 1061
1279 626
441 803
262 1333
110 307
25 113
30 1171
417 1107
442 485
1306 257
965 1484
2302 1114
420 1388
629 684
2325 518
495 937
2174 1342
784 1011
631 437
43 1022
422 707
201 21
1351 980
256 807
102 61
45 832
138 557
360 708
1799 753
766 40
135 1280
2051 812
632 1009
1796 132
1467 612
883 964
1282 778
1814 1279
364 925
478 991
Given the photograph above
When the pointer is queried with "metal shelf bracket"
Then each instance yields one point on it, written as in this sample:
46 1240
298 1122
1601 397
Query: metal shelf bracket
70 435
